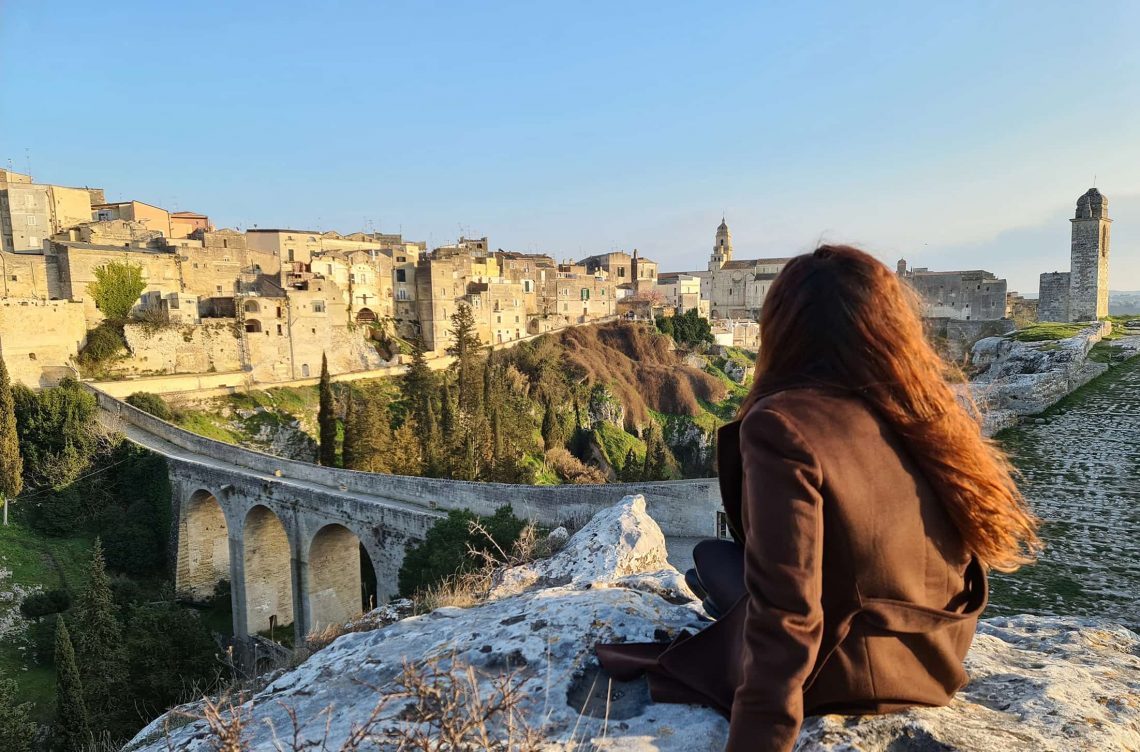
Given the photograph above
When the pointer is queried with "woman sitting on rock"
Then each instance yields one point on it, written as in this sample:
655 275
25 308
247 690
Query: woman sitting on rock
866 508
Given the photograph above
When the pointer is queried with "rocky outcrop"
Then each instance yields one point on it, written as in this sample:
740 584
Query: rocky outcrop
604 407
1037 683
1013 379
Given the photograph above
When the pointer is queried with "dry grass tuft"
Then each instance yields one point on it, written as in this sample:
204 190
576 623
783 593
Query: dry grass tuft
471 588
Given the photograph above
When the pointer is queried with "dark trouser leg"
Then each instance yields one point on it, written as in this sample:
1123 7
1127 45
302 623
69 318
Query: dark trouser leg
718 574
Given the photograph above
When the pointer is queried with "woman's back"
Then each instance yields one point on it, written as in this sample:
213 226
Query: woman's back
892 560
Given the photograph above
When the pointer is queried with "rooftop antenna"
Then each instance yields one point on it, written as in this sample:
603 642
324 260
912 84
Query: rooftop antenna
28 160
1094 180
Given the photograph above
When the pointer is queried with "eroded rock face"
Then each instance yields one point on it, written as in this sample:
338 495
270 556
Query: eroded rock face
1015 378
1037 683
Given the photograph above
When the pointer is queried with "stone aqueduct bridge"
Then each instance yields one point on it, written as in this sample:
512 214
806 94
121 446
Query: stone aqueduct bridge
288 535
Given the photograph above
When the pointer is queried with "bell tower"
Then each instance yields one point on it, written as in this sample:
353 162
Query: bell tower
722 249
1088 278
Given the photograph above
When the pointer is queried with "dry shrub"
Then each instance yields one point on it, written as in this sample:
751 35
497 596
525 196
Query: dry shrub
641 368
467 589
571 469
448 711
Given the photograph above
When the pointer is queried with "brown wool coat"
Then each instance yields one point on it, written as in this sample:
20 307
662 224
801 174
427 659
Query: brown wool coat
861 597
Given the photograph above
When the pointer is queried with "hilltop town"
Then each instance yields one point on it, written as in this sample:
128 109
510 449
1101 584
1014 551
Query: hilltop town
265 305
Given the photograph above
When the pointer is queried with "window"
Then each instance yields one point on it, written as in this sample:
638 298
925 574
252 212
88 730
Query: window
218 288
621 271
32 221
279 330
305 370
289 254
585 293
401 275
14 278
225 244
318 306
401 260
401 294
31 356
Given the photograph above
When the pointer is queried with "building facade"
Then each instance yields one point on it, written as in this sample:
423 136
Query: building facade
974 295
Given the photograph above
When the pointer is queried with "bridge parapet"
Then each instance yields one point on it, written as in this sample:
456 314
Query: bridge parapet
683 509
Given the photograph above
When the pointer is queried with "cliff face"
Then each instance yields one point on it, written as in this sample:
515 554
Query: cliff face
1036 683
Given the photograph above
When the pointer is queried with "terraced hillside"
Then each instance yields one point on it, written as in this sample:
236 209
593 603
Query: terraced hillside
1081 472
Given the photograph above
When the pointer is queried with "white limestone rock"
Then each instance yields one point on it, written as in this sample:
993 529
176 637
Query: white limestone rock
1037 683
1015 378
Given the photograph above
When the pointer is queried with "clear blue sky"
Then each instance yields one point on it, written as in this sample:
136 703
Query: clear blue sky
959 136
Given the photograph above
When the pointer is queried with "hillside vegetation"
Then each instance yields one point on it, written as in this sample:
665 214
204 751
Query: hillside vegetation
586 405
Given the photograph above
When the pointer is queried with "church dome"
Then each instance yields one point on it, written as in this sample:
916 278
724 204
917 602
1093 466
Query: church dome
1092 205
723 226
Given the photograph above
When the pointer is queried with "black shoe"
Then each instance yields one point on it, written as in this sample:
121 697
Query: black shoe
693 580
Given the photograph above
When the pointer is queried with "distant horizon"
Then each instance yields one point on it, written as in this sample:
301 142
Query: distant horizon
954 137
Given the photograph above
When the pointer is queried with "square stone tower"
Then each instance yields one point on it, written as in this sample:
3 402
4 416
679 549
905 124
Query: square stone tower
1088 271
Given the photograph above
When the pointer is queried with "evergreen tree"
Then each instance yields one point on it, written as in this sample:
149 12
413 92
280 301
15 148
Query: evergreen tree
16 725
352 429
11 462
406 457
371 433
99 646
659 460
550 432
631 470
73 728
417 384
326 418
497 448
446 414
465 348
430 444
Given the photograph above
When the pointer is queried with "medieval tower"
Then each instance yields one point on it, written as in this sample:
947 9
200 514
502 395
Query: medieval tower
1088 270
1081 294
722 250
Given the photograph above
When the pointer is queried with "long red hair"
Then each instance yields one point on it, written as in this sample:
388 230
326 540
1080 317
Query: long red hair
840 318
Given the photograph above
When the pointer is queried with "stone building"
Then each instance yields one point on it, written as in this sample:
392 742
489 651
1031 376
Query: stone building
682 293
152 217
30 213
974 295
184 224
735 289
40 338
624 269
1081 294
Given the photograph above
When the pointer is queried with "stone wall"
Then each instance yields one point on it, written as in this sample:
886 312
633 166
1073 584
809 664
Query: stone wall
39 339
1053 297
955 337
213 345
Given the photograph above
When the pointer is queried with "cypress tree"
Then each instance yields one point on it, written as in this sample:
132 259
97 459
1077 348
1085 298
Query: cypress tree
465 348
496 437
630 470
447 414
550 432
429 446
348 452
406 458
16 725
73 728
416 384
99 646
11 463
326 418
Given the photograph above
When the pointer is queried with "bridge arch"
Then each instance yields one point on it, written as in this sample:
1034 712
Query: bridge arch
341 580
203 546
268 567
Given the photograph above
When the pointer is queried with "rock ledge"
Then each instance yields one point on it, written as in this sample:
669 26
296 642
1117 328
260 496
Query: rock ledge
1036 683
